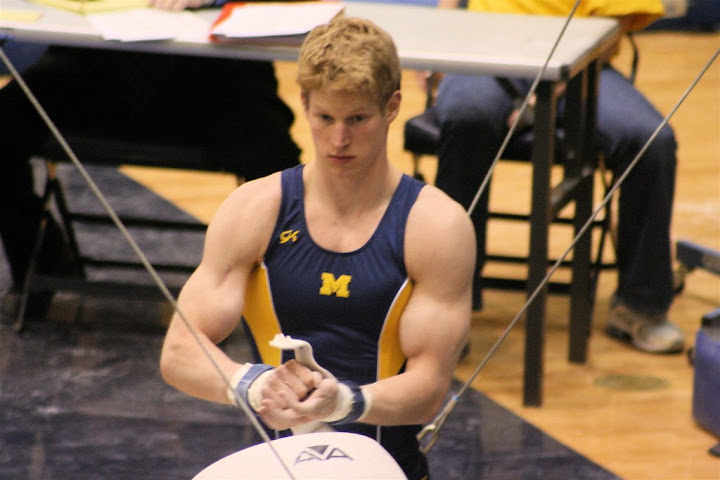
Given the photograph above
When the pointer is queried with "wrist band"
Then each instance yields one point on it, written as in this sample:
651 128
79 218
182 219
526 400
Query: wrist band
354 404
249 375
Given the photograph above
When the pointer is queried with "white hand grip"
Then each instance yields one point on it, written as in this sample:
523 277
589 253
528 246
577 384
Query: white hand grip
303 354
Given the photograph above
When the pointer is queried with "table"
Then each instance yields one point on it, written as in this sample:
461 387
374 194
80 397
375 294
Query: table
458 41
481 43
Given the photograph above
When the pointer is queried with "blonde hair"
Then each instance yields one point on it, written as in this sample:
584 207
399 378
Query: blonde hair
349 54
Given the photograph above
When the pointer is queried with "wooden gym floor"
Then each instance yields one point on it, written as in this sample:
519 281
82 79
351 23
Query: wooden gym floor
642 429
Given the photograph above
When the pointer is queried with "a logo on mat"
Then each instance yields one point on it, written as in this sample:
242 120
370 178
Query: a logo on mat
320 453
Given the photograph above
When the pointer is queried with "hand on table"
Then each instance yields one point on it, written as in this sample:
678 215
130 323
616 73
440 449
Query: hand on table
178 5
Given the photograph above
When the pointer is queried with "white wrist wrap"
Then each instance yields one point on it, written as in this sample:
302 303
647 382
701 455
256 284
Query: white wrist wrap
247 382
352 404
234 380
344 404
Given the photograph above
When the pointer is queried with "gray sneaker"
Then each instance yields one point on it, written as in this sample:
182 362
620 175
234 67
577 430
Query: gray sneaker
649 333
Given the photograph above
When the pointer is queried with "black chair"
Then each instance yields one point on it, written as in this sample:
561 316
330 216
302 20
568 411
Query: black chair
112 269
422 138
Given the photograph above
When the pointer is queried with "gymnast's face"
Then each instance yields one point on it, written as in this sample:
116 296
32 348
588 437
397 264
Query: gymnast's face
349 129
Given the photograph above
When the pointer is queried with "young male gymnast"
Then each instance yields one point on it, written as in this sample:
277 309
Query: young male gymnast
371 267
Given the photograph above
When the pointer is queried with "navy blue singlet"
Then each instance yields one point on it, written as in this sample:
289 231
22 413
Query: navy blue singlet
346 305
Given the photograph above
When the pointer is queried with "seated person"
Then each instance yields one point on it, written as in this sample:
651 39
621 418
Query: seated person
336 253
21 55
229 107
474 114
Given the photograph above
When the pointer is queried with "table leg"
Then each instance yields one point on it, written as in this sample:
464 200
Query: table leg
580 114
542 159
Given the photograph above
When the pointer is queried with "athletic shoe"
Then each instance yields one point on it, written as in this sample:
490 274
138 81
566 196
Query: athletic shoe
650 333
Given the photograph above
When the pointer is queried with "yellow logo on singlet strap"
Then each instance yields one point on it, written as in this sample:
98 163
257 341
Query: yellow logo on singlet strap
288 235
331 285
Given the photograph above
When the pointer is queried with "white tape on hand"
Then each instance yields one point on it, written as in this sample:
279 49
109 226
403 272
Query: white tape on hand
247 382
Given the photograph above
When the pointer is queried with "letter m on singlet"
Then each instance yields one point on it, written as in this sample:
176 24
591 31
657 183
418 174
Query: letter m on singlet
333 286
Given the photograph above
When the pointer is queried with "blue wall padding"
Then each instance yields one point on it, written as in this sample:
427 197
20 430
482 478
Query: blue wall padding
706 388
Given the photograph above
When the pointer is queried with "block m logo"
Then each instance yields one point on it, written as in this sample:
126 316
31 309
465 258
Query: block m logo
333 286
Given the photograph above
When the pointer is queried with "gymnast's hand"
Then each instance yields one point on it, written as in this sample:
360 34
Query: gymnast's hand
292 394
178 5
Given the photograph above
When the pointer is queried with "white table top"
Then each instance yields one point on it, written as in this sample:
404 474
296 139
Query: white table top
455 41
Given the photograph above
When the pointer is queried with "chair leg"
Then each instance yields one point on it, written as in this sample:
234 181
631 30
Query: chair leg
59 200
610 218
50 191
607 231
416 167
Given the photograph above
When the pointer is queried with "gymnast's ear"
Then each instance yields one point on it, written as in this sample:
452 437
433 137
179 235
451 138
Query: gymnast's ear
392 107
305 98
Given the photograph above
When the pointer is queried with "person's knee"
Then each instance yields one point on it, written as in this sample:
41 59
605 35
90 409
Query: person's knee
472 105
467 120
660 154
665 140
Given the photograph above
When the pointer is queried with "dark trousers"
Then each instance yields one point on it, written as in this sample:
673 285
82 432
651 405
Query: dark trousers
473 111
229 107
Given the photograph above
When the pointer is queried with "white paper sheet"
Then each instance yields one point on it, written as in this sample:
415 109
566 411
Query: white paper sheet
268 20
150 24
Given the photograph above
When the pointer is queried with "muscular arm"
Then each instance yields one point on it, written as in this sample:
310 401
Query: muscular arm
212 300
440 257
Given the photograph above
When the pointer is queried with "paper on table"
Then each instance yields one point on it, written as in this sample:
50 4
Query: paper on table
52 20
276 19
93 6
150 24
20 16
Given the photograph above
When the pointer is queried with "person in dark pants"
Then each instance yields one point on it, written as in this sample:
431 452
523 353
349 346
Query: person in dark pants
229 108
474 114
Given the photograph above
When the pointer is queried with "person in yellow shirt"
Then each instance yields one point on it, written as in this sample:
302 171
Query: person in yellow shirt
475 113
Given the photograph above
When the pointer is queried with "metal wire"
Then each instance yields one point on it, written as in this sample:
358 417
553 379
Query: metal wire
140 254
433 429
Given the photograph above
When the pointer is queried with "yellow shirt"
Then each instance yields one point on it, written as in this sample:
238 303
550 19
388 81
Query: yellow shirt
641 12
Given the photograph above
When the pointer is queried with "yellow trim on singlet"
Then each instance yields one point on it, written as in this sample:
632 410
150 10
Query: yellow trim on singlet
390 354
262 321
260 315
